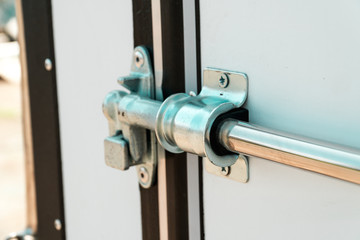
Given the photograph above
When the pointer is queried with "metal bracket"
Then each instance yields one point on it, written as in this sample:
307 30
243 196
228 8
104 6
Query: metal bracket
131 145
239 171
234 87
230 85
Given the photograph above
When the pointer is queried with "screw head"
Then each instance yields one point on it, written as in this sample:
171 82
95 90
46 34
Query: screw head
224 80
48 64
58 224
144 175
139 59
225 171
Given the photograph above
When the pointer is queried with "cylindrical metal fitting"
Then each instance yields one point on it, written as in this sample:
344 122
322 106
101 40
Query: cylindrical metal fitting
183 123
138 111
120 107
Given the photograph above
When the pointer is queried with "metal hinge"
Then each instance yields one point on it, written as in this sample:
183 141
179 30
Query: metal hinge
181 123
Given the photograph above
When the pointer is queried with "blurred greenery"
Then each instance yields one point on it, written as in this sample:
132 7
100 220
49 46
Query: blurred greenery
7 11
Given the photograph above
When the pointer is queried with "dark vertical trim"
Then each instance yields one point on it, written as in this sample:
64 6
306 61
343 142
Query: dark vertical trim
142 20
198 44
38 41
174 82
199 85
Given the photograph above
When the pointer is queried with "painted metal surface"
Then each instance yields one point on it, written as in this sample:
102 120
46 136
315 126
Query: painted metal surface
41 121
93 45
301 59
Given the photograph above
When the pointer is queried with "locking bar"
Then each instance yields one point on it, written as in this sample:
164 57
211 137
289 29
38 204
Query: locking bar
317 156
205 125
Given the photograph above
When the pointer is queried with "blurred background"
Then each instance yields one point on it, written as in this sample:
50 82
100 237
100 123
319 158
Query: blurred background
12 168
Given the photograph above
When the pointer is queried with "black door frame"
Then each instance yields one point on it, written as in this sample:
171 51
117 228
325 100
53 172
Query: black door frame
41 118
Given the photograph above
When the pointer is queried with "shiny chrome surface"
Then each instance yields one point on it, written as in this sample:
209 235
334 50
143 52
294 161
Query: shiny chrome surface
183 122
333 160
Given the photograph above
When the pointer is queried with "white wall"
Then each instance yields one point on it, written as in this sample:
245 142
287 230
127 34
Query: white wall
302 59
93 46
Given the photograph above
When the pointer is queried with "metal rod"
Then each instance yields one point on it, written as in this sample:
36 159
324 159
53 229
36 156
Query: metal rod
139 111
332 160
310 154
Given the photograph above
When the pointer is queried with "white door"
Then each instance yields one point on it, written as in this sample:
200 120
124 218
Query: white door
93 47
302 59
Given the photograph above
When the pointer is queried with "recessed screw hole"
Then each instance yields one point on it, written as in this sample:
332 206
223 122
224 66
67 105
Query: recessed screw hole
142 175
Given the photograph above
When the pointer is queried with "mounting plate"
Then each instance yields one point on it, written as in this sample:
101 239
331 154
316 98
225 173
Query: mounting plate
239 171
231 85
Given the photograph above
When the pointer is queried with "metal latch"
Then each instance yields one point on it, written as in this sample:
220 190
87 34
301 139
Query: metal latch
130 144
181 123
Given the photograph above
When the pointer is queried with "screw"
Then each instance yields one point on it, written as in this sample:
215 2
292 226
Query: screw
224 80
57 224
139 59
48 64
225 171
144 175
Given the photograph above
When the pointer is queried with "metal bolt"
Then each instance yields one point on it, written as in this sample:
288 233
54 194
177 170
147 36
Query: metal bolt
58 224
224 80
139 59
48 64
225 171
144 175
